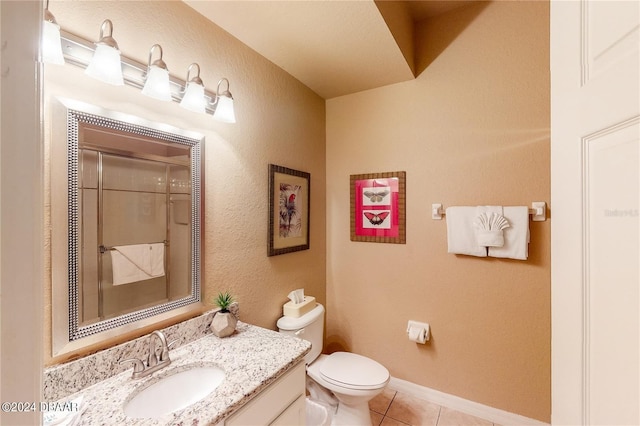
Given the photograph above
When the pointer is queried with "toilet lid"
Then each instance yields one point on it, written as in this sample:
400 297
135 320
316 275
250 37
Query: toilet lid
354 371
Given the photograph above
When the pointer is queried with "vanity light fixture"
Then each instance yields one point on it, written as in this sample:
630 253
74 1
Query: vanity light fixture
224 109
51 43
105 64
157 81
193 98
119 70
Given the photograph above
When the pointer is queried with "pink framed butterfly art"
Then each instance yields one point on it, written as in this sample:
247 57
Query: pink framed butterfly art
378 207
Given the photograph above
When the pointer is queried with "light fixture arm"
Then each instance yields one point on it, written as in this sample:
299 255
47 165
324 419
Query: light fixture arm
226 92
195 79
48 16
107 40
158 62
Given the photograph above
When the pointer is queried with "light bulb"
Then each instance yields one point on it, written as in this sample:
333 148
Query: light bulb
224 110
51 47
193 98
157 84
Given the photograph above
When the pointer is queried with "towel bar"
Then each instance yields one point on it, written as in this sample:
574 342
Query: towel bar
538 211
104 249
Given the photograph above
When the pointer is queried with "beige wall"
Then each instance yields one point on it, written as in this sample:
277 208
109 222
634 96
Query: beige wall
280 121
472 129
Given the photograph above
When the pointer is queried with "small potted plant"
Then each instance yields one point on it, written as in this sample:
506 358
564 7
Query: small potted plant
224 322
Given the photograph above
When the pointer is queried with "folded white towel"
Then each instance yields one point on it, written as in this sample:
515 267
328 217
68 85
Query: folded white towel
489 228
489 210
516 237
137 262
461 237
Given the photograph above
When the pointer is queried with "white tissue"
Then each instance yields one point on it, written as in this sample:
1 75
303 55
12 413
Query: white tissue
297 296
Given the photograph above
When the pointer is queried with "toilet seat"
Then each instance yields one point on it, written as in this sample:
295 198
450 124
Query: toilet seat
353 371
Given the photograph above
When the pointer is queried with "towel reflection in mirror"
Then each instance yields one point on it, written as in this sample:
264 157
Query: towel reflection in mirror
137 262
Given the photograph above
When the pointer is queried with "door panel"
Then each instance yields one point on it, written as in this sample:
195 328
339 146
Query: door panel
610 34
612 305
595 104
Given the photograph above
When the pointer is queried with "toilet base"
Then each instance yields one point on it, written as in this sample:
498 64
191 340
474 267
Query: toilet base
318 393
355 413
352 415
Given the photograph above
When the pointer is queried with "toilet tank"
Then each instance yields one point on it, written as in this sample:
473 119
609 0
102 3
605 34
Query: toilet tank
309 326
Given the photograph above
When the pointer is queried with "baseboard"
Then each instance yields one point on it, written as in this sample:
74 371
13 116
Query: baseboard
494 415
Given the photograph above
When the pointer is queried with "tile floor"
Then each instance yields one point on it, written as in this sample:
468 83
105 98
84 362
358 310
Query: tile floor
392 408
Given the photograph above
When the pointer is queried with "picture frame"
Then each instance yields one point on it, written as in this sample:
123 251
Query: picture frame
378 207
289 210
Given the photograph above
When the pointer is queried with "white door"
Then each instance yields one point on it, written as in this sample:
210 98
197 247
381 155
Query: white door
595 234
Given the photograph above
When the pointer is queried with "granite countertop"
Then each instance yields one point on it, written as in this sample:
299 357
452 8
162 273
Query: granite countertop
252 358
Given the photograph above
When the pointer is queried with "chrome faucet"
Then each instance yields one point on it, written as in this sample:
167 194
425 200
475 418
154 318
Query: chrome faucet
153 358
153 362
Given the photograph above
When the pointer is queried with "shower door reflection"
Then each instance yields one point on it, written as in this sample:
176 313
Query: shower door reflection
129 205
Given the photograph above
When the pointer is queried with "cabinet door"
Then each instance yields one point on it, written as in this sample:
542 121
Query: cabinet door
294 415
269 404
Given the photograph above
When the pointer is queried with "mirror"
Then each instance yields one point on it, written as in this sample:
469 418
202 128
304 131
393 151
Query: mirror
130 253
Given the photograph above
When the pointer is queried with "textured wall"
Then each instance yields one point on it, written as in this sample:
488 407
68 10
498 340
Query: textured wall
280 121
472 129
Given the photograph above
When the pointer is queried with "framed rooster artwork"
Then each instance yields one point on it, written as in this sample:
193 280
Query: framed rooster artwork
289 202
378 207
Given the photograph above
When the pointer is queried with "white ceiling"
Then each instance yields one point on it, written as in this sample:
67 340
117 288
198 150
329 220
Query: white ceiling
334 47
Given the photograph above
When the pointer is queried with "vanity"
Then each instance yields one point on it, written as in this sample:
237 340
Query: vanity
264 381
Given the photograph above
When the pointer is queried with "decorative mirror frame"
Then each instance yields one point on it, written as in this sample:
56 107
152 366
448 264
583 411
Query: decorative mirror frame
67 335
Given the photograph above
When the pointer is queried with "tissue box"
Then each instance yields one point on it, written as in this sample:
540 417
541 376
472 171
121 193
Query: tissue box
297 310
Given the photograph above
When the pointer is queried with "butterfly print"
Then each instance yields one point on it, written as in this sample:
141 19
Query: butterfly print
375 197
376 219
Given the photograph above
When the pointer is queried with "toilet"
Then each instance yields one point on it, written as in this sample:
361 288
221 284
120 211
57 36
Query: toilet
344 379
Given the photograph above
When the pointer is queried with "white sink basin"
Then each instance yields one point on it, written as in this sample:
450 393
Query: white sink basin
174 392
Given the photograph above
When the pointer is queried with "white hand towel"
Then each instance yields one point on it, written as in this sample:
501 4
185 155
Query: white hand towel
489 210
124 270
516 237
156 260
137 262
461 237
